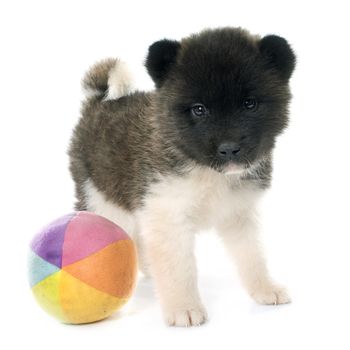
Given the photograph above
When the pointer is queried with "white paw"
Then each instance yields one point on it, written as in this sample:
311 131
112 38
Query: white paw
271 295
186 318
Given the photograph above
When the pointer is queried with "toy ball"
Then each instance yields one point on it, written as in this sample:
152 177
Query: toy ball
82 268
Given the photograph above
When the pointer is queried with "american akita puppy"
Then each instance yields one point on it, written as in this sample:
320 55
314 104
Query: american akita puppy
192 154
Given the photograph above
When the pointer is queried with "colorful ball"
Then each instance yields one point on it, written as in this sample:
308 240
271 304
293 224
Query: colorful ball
82 268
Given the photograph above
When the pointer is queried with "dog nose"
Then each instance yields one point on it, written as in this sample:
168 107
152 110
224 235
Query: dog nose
228 150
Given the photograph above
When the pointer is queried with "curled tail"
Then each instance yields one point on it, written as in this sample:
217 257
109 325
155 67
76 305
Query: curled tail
109 78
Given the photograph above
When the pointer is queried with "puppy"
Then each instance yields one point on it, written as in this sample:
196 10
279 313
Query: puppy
193 154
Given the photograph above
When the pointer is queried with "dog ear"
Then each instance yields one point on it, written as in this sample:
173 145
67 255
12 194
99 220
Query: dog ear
279 55
160 59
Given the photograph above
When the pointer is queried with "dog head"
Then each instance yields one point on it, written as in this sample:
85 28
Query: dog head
222 95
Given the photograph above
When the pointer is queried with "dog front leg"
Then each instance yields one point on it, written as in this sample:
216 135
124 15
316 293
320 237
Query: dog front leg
240 236
169 248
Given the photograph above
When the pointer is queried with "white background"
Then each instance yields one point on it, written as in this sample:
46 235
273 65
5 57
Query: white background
45 48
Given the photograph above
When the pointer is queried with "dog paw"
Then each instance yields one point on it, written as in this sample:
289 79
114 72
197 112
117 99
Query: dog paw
271 295
186 318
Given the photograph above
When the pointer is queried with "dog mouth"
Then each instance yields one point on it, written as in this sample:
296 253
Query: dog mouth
232 168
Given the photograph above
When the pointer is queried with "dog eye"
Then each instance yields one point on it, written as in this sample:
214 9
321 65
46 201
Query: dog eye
199 110
250 103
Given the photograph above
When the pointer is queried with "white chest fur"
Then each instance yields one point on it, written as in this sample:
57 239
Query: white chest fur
203 196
